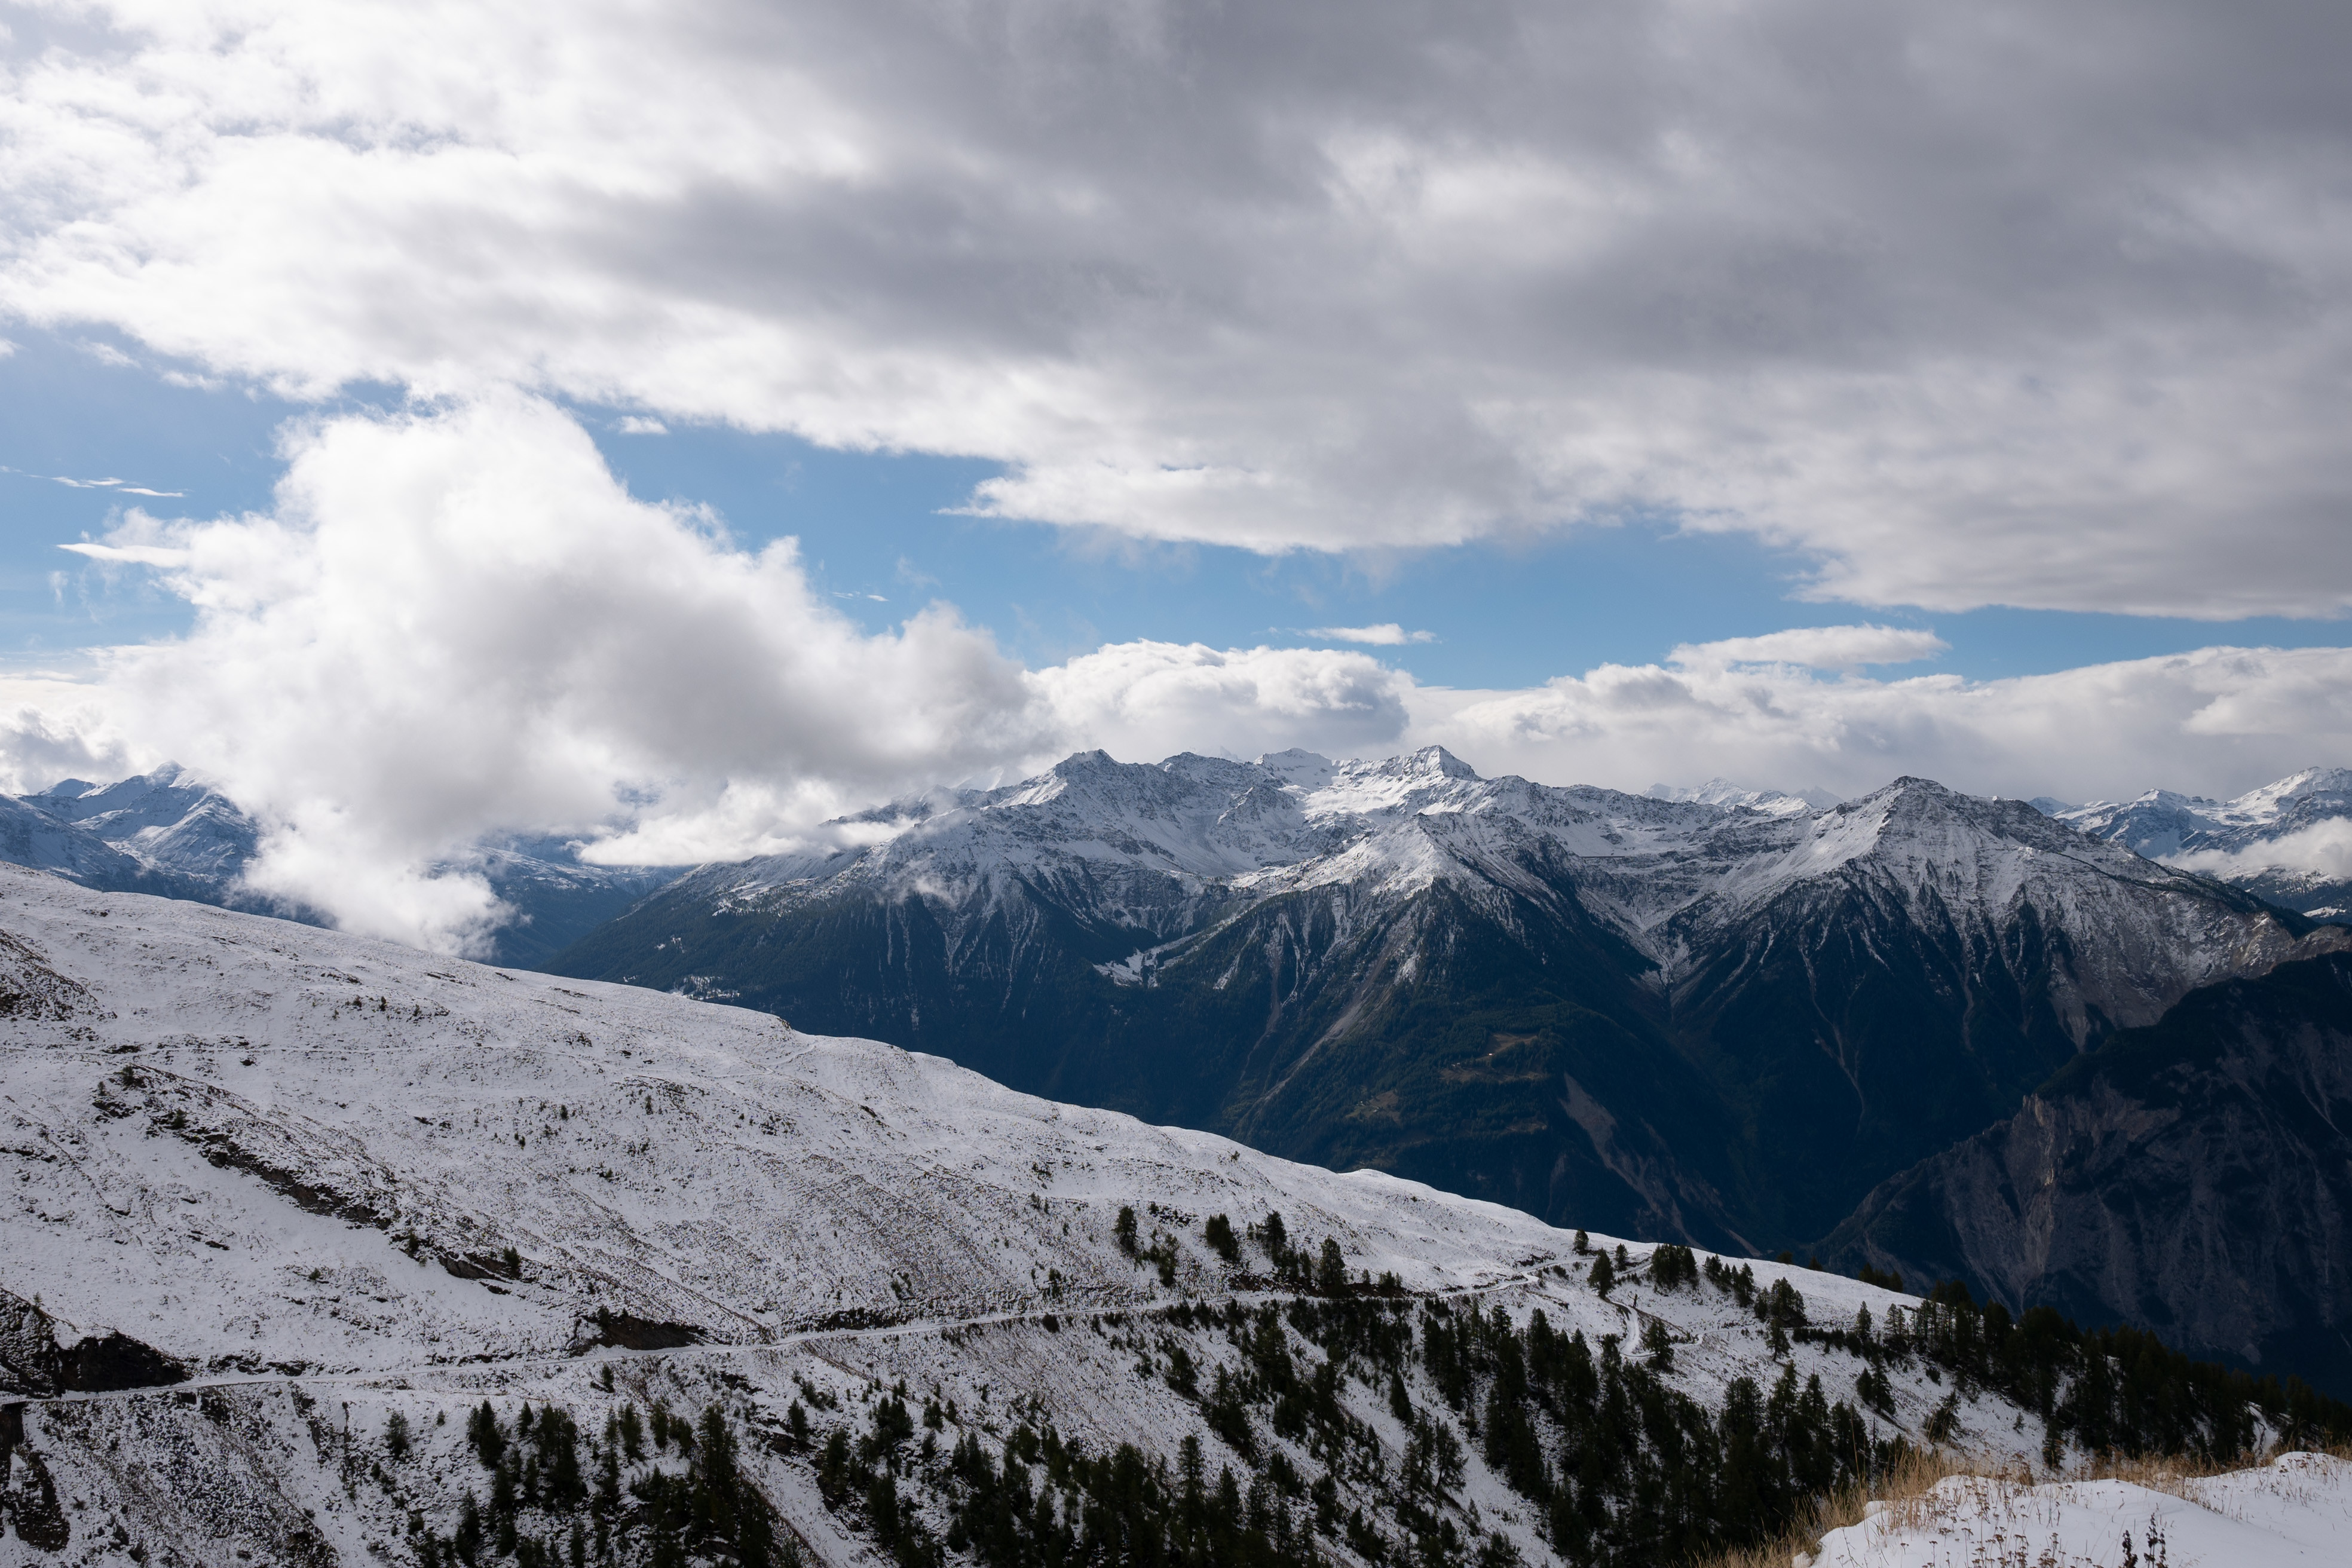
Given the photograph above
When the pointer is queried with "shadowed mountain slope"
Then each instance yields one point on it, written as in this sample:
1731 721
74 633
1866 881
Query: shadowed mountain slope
2195 1176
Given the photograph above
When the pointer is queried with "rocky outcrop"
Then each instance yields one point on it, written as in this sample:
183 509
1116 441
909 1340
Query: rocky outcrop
2194 1176
41 1357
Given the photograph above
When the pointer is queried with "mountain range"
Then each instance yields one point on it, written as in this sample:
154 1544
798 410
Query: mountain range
2290 842
1726 1022
1744 1020
317 1250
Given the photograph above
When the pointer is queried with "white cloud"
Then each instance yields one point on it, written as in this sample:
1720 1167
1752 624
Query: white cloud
1816 648
2215 721
55 727
1145 700
1387 634
458 623
638 424
1981 304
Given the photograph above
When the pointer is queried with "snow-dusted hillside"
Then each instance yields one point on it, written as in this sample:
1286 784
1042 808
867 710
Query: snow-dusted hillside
330 1180
2296 1510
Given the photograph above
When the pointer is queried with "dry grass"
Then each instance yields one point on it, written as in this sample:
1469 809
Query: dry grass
1908 1493
1913 1478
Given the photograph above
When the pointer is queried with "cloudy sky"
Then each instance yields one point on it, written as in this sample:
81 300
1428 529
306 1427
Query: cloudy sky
670 424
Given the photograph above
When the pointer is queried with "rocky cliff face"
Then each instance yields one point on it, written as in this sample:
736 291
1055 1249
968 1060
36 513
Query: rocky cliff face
2195 1176
1721 1021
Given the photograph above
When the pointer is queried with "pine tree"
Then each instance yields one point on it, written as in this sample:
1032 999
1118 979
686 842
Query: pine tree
1331 1272
483 1432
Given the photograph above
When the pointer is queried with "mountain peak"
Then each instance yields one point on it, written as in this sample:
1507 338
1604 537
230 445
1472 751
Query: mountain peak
1438 759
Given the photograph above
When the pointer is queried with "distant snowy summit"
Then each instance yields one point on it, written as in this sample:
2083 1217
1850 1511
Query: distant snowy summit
1723 792
2289 842
1154 849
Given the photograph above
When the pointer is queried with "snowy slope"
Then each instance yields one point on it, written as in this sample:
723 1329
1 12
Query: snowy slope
2165 822
293 1162
2296 1510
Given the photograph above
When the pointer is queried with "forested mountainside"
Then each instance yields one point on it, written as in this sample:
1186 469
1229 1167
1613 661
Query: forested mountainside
2195 1176
1717 1023
315 1250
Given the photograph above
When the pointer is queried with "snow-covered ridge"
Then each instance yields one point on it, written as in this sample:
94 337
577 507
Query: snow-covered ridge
2164 822
671 1159
1173 849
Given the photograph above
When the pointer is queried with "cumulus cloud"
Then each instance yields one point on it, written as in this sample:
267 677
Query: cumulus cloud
1979 304
453 624
1145 700
1387 634
54 727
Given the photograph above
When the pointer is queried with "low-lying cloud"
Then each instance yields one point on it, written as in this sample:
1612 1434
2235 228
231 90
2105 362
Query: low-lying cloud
2324 850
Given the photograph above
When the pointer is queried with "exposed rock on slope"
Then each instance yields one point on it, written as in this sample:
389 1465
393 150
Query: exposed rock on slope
2195 1176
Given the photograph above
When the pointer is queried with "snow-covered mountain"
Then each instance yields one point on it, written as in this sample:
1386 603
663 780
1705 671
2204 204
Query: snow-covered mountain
2290 842
171 832
1723 792
171 819
1683 1018
308 1242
